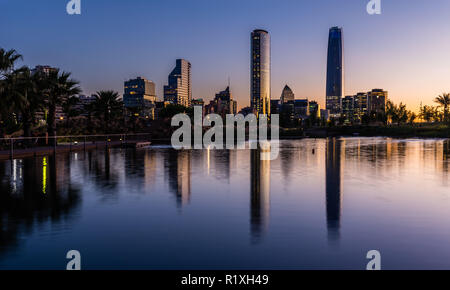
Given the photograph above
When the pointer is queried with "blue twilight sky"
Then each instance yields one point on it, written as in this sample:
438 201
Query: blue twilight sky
405 50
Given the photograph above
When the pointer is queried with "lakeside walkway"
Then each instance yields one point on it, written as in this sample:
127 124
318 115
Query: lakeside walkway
64 148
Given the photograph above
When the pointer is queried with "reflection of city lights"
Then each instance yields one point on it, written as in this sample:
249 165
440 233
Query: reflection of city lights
14 175
208 157
44 175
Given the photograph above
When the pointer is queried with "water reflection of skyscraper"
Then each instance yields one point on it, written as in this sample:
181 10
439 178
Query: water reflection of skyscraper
287 160
259 195
105 176
178 169
34 191
446 149
334 167
446 160
217 163
140 169
222 164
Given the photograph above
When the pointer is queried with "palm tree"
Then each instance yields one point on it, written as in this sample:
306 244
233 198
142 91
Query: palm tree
428 113
133 118
60 87
7 64
8 60
402 113
444 102
69 108
108 105
411 117
391 111
24 97
90 110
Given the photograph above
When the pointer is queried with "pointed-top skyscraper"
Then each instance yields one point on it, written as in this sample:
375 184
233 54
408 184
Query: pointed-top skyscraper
335 72
287 95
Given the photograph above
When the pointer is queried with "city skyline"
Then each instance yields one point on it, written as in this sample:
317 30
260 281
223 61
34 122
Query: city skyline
298 46
216 136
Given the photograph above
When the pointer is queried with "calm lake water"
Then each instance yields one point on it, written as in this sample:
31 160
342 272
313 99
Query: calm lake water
323 204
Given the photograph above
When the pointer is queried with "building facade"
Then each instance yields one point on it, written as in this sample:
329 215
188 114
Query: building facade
314 109
364 107
335 72
179 88
199 103
246 111
260 72
377 99
361 106
139 97
325 115
287 95
301 107
45 69
275 106
287 114
223 104
348 108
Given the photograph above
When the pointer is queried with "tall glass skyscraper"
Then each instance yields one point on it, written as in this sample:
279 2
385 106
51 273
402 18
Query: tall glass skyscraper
335 72
179 89
260 72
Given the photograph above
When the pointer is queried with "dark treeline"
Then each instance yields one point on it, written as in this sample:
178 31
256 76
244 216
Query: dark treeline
29 101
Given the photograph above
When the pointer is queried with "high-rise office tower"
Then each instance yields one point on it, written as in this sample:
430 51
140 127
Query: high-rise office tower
377 99
260 72
223 104
287 95
348 108
335 72
179 89
139 97
138 91
361 106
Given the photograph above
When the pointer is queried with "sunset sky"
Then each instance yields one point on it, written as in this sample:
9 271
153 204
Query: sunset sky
405 50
